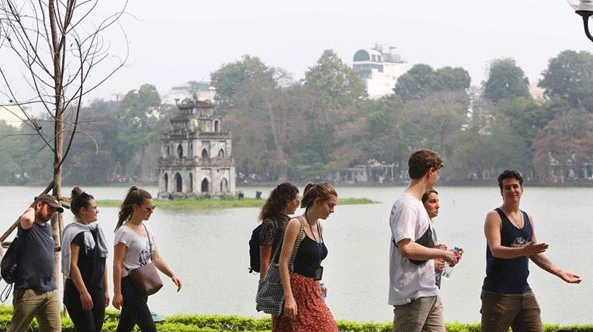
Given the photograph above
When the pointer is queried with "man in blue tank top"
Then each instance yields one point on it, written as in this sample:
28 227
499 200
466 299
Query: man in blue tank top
507 299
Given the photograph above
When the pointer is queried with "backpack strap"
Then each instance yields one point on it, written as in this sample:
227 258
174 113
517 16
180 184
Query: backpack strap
297 243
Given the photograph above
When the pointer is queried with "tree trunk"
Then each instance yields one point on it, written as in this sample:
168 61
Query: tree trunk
281 162
58 47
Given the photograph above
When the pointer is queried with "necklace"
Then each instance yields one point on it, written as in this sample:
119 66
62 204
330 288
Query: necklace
318 244
514 221
311 227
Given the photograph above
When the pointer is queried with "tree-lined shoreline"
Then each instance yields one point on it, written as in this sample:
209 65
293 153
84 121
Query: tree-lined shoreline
324 126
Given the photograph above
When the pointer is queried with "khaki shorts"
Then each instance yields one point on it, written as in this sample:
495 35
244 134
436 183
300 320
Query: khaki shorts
519 311
29 303
424 314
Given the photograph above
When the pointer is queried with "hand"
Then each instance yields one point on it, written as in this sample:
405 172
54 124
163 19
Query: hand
459 252
290 308
569 277
118 300
450 257
86 300
439 265
532 248
106 298
177 282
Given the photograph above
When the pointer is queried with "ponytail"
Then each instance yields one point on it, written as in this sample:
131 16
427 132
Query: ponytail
323 191
135 196
78 200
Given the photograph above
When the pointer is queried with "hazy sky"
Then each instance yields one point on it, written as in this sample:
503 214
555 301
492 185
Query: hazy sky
175 41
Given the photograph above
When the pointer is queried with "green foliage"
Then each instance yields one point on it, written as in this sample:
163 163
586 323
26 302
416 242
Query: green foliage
229 79
226 203
570 77
305 131
421 80
452 79
505 80
563 145
332 84
219 323
486 144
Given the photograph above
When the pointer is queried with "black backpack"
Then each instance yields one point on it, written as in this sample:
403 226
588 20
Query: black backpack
9 264
255 265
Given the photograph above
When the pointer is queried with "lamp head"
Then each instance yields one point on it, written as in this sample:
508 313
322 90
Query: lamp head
582 6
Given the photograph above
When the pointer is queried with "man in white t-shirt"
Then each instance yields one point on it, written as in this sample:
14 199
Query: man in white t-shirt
412 290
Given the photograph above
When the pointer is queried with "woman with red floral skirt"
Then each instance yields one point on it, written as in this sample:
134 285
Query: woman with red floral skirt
304 306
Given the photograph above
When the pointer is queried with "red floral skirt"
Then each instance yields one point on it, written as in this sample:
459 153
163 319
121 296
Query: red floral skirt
312 313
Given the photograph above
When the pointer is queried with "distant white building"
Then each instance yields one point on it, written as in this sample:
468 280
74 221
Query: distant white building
13 115
379 67
203 91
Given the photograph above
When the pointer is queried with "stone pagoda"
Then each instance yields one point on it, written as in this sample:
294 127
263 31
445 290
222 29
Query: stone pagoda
196 154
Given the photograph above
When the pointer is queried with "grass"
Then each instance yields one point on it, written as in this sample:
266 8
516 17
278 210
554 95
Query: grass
219 203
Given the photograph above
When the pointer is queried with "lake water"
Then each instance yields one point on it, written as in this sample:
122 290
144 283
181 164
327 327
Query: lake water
209 251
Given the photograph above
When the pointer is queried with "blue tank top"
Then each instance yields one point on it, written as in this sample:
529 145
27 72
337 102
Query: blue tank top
509 276
308 257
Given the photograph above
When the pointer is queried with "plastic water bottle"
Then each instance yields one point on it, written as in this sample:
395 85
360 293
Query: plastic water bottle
448 269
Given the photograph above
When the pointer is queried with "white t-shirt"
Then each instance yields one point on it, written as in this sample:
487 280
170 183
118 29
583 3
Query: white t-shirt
408 281
138 253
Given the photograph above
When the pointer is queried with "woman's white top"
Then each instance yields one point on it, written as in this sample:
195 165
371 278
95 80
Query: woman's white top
138 253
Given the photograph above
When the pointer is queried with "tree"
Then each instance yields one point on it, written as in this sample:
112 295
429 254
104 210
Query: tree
332 84
505 80
13 149
432 120
563 146
229 79
421 80
452 79
528 116
416 82
138 123
485 145
570 77
264 120
55 47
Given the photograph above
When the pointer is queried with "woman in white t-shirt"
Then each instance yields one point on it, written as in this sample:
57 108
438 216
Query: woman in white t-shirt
134 246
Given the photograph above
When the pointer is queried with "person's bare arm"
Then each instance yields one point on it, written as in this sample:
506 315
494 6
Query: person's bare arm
27 218
413 250
265 255
290 237
119 252
547 265
162 265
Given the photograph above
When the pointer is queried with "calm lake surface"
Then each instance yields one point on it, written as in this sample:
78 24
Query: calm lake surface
209 251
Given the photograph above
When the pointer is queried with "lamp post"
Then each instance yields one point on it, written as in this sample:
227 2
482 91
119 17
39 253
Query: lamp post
585 9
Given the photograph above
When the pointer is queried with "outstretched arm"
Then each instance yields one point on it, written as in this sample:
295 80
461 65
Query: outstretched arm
546 264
